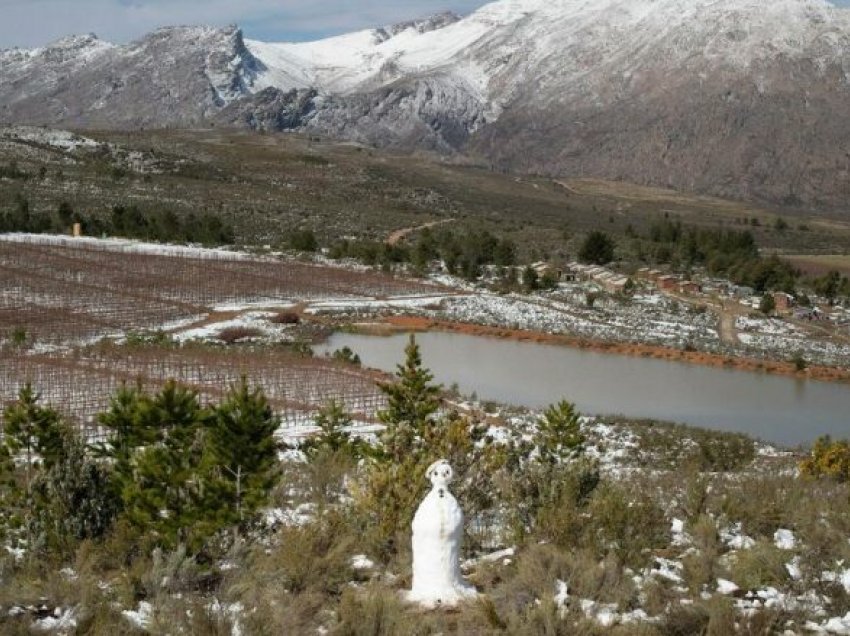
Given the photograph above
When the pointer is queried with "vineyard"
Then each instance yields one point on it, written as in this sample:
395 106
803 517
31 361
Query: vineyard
80 383
61 290
63 296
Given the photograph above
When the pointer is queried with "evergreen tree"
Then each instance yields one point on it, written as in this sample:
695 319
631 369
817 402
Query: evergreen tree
242 451
598 248
558 435
129 428
412 403
167 481
33 430
530 279
332 421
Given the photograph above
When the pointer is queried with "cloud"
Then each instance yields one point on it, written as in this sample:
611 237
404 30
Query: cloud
36 22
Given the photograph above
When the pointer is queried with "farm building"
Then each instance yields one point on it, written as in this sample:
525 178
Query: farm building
783 301
667 283
689 287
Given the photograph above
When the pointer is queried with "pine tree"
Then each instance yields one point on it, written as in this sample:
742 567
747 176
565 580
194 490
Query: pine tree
129 428
559 436
242 452
167 480
412 402
332 421
33 430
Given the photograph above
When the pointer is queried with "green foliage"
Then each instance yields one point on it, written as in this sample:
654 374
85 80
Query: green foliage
165 225
767 305
186 471
303 241
412 401
32 429
464 253
800 363
333 420
18 337
558 437
828 459
347 355
241 452
549 280
729 253
12 171
530 279
73 500
831 285
128 221
597 248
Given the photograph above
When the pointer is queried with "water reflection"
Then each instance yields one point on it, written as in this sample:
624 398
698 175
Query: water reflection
783 410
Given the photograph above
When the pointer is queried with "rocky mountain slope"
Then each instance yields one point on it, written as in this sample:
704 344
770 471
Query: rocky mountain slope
741 98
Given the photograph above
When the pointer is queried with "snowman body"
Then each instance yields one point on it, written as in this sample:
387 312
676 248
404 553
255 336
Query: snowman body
437 536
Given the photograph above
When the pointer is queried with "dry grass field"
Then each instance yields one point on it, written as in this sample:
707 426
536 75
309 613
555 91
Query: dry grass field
818 265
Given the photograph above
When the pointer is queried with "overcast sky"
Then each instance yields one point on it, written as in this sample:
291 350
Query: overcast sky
35 22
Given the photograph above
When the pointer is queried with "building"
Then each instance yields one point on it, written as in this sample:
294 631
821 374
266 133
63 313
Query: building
613 283
783 301
667 283
689 287
543 269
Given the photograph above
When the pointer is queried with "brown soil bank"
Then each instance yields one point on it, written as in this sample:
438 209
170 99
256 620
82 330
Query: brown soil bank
829 374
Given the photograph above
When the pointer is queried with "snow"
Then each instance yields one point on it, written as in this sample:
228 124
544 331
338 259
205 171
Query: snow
256 320
60 139
62 622
572 45
500 555
733 537
140 618
128 246
362 562
300 516
726 587
437 534
784 539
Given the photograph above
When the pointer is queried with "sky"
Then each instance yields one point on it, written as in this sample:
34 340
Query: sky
29 23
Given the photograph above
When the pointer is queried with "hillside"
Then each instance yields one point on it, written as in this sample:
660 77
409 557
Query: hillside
737 99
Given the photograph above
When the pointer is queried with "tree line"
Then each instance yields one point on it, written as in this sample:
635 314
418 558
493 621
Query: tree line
128 221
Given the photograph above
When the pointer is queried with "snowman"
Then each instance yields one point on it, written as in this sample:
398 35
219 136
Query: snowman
437 534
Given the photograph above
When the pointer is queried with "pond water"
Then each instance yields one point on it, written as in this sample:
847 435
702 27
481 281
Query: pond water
779 409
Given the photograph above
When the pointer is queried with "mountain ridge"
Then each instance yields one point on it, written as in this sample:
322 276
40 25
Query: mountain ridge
739 98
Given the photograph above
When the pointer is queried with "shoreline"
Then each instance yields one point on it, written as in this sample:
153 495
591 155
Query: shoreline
657 352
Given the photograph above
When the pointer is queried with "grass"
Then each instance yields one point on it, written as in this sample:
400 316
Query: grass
818 265
299 578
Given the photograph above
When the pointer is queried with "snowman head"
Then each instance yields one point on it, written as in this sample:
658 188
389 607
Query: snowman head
440 473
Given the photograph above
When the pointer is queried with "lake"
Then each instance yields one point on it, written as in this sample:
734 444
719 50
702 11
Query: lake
779 409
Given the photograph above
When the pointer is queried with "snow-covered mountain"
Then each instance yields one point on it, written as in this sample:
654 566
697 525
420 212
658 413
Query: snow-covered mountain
734 97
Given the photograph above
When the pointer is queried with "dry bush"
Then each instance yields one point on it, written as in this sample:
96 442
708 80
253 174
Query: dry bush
232 335
629 524
285 318
701 567
761 566
765 503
